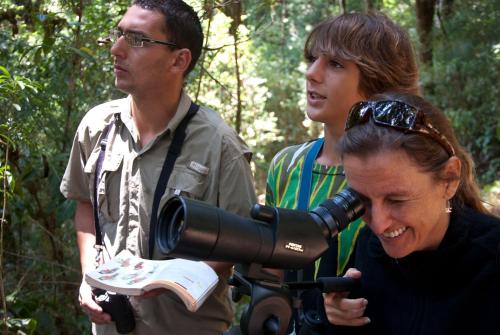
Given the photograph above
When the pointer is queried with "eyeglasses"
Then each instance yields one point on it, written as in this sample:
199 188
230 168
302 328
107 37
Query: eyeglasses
135 40
398 115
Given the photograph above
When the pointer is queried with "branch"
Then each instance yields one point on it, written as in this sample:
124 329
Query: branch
60 282
441 23
226 45
238 83
205 48
25 274
219 83
2 222
10 16
43 260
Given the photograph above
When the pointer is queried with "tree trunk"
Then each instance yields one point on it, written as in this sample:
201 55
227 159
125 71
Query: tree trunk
369 5
425 18
238 84
234 11
2 224
446 7
76 63
209 10
342 5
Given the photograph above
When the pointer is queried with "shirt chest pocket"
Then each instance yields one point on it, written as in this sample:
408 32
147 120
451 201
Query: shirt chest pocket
109 188
186 183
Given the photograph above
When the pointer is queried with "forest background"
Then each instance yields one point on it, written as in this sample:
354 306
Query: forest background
52 71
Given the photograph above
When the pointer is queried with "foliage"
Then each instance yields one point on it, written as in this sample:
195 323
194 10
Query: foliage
465 81
52 72
13 92
56 71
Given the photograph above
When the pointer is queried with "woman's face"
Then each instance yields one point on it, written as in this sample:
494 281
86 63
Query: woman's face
332 89
405 207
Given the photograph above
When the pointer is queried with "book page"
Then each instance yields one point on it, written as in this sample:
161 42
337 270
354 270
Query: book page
130 275
194 277
125 273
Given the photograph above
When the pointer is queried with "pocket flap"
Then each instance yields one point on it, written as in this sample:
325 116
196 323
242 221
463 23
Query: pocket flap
184 181
112 161
91 162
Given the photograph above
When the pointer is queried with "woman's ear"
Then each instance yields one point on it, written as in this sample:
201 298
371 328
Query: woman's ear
182 60
451 175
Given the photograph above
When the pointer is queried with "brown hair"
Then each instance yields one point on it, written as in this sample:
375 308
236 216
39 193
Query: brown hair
368 138
381 49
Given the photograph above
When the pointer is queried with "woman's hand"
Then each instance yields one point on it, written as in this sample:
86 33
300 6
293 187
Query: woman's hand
342 311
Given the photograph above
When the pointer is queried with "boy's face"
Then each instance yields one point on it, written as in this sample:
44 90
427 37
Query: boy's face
332 89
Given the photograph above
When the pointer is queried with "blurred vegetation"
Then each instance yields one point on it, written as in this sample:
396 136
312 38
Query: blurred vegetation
252 72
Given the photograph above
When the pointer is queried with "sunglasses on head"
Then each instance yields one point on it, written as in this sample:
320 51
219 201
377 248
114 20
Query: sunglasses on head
397 115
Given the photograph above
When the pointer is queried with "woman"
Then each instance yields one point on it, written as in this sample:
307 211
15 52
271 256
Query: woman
350 58
429 262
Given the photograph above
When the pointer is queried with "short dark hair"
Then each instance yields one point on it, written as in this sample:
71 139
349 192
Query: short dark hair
181 23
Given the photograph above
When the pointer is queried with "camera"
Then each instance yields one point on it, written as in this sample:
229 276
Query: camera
118 306
273 237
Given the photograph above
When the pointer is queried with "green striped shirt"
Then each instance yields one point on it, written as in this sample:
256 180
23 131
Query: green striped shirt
283 180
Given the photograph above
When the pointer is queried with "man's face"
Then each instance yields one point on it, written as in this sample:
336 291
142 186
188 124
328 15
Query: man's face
145 69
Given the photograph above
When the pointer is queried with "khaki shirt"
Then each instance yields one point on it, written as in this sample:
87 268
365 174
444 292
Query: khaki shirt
212 167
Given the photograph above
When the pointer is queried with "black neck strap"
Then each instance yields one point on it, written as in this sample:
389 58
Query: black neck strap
168 165
97 178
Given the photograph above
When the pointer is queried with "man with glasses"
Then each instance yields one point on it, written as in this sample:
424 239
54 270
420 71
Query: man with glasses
120 158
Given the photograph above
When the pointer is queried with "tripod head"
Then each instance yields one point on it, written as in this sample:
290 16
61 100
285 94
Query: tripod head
270 308
269 311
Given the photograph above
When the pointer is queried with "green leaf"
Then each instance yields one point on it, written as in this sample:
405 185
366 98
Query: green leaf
5 71
88 51
21 324
83 52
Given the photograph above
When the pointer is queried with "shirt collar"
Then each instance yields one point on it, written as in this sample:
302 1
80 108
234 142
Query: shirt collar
181 111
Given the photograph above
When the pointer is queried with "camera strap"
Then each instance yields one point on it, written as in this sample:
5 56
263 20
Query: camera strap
306 177
303 203
99 244
168 165
306 183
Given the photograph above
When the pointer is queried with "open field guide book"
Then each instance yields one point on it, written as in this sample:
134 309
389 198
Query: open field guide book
130 275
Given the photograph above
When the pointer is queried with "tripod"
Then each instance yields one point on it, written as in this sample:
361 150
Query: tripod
271 303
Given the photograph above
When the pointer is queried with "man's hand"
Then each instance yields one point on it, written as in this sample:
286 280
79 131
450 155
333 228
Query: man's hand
222 268
342 311
89 306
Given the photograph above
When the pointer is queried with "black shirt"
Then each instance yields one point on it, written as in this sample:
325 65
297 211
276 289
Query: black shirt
454 289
